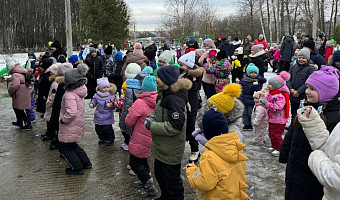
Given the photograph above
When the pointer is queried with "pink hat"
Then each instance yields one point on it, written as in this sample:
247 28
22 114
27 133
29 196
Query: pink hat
138 49
257 48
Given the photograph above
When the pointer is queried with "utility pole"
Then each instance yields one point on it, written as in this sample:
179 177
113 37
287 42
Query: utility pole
68 28
315 17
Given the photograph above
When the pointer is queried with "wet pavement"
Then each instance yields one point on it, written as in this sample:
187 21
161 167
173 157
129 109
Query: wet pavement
29 170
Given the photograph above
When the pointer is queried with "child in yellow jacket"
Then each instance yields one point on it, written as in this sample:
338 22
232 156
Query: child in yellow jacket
222 170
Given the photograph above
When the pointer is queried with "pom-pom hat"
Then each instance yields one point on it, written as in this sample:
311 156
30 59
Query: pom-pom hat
224 101
54 69
10 63
76 74
305 53
138 49
278 81
64 67
252 68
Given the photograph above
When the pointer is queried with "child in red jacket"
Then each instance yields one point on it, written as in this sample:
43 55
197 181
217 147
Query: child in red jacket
329 50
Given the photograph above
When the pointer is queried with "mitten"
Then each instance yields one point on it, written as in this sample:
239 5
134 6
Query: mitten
237 80
109 105
148 121
201 139
255 83
196 132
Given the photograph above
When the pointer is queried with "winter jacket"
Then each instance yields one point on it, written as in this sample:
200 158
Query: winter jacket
276 106
298 76
235 45
43 90
249 86
207 78
96 67
50 98
222 170
317 58
287 50
227 47
169 130
277 55
259 116
328 52
72 113
258 60
109 66
58 52
57 102
178 53
263 42
140 142
134 88
18 91
133 58
103 114
295 150
247 49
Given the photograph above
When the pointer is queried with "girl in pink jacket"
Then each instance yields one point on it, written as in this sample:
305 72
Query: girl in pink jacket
259 119
277 103
140 142
72 121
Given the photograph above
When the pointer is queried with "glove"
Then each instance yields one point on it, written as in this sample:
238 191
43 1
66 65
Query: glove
237 80
263 101
255 83
148 121
196 132
201 139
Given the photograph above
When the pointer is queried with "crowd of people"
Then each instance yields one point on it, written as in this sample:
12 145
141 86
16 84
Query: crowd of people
160 109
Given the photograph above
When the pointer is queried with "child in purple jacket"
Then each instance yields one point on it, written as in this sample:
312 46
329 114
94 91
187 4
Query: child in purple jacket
103 116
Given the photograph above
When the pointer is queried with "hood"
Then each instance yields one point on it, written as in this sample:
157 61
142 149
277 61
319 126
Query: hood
119 55
18 69
236 112
257 54
134 58
133 83
284 88
81 91
195 72
289 40
149 98
227 146
314 52
60 79
334 104
53 77
72 86
181 84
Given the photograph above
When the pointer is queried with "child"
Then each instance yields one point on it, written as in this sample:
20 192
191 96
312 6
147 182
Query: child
20 94
191 71
295 57
222 71
258 57
328 50
103 116
168 125
259 118
140 142
277 58
44 85
250 82
322 89
221 174
72 122
239 65
30 112
299 73
208 60
277 103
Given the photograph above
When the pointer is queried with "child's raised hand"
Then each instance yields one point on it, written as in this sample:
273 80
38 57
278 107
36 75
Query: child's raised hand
91 105
255 83
110 105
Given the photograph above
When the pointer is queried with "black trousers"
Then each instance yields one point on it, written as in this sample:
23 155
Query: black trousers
191 119
74 155
169 180
50 131
21 117
293 109
105 132
126 138
285 66
141 167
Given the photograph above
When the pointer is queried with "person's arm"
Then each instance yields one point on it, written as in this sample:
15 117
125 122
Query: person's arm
71 109
278 105
303 87
15 84
286 146
128 100
289 82
134 114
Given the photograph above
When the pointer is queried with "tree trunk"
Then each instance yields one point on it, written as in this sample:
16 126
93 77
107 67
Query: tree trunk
68 28
288 17
336 11
269 23
262 21
274 15
330 20
278 31
251 4
295 12
282 17
314 18
322 20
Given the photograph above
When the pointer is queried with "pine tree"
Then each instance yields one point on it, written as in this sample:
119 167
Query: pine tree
105 20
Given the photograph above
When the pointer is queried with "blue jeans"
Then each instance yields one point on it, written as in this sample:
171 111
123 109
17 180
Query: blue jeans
248 110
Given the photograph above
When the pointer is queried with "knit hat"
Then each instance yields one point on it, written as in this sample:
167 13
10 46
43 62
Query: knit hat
191 40
212 53
219 37
210 43
221 54
336 56
132 70
150 54
73 59
224 101
214 124
310 44
252 68
141 76
137 49
261 36
148 69
56 44
168 74
165 56
257 48
305 53
31 53
76 74
64 67
54 69
278 81
200 52
46 63
326 82
238 51
108 50
149 84
188 59
103 82
10 63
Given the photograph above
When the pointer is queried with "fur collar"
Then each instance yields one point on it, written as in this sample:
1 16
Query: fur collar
113 88
60 79
181 84
195 72
53 77
72 86
257 54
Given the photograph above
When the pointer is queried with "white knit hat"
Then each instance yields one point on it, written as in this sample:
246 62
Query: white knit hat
132 70
10 63
165 56
188 59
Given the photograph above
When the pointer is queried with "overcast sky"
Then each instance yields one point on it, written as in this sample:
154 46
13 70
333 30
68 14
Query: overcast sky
147 13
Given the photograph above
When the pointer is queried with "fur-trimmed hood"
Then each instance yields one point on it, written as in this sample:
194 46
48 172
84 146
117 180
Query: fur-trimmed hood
60 79
72 86
53 77
236 113
196 72
113 88
181 84
260 53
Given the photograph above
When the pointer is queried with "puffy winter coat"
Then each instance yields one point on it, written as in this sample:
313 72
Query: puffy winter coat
298 76
207 78
222 170
247 49
57 102
18 91
328 52
133 58
263 42
227 47
317 58
287 50
248 88
72 113
277 55
50 98
43 90
276 106
140 142
259 116
96 67
258 60
103 114
295 150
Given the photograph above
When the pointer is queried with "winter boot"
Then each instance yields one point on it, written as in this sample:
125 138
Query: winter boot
27 127
138 184
149 189
194 156
69 171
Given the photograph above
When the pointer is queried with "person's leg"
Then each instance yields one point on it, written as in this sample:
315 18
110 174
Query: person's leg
85 161
158 170
174 189
19 120
100 130
110 135
30 112
249 113
67 150
270 132
140 167
245 118
277 135
293 109
126 138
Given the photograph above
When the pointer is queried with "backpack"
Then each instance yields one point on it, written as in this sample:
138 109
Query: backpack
28 78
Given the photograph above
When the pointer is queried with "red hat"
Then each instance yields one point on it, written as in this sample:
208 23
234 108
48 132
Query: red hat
219 36
189 49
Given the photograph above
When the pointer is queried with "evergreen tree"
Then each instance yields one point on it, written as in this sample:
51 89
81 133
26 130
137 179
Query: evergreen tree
105 20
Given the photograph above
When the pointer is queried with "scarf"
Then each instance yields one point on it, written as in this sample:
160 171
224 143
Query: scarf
249 80
286 95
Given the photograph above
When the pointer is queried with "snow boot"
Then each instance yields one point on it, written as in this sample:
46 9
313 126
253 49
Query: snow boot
194 157
149 189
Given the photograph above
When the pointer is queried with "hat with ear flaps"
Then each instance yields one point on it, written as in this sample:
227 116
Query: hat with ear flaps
224 101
